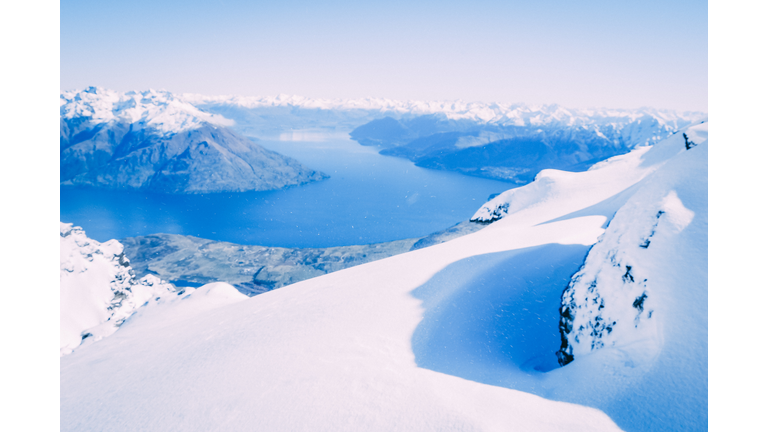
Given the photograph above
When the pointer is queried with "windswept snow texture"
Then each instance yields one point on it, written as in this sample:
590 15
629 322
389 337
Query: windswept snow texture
461 335
156 142
494 312
632 320
642 292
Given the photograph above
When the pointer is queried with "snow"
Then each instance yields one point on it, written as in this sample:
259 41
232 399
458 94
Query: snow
457 336
171 113
636 308
502 114
159 110
330 355
98 288
647 279
570 191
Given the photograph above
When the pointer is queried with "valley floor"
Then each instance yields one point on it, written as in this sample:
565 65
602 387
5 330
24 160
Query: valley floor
192 261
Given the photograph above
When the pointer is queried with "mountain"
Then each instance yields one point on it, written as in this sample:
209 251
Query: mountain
100 292
517 143
154 141
636 309
462 335
268 116
510 142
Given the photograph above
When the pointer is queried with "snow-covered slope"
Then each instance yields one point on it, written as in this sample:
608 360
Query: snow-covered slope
458 336
98 287
612 299
642 291
154 141
637 307
99 291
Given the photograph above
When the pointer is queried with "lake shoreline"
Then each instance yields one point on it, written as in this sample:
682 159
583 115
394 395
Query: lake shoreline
369 199
192 261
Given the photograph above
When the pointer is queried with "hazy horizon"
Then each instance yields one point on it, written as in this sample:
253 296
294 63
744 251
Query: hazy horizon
589 55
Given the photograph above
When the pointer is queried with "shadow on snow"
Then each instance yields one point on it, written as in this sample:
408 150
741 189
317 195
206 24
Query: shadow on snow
494 319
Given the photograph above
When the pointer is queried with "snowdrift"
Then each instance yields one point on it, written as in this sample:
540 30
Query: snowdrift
463 335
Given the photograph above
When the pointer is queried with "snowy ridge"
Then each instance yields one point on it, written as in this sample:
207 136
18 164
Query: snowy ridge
343 343
502 114
98 288
548 183
99 291
560 186
171 113
611 301
159 110
462 335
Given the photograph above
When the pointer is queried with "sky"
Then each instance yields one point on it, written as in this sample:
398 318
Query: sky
592 53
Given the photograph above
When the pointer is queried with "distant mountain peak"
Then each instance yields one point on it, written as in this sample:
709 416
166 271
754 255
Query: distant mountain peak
156 109
133 140
502 114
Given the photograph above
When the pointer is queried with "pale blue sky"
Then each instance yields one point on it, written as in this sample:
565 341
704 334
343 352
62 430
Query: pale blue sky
578 54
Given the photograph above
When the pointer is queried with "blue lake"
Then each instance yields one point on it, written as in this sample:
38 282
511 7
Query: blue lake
368 199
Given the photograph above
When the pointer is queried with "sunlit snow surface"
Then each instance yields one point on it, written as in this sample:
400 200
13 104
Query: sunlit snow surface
442 338
157 109
98 289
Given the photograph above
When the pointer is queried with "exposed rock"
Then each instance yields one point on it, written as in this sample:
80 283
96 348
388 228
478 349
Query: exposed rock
98 288
152 141
619 296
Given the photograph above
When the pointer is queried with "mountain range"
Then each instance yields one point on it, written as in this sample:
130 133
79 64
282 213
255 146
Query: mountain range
153 141
516 144
581 305
161 142
510 142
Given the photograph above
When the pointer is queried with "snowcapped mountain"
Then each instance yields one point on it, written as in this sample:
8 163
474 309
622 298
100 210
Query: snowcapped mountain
159 110
99 290
521 142
463 335
506 114
510 142
154 141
